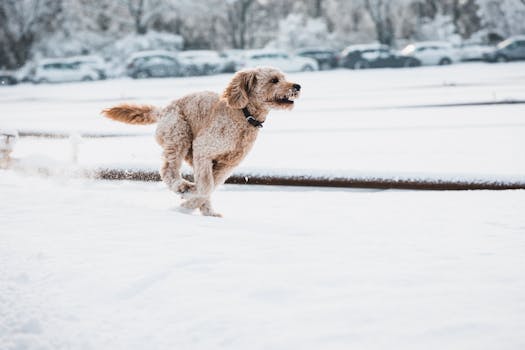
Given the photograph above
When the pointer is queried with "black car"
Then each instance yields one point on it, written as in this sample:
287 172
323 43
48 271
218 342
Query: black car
508 50
153 64
7 78
375 56
326 58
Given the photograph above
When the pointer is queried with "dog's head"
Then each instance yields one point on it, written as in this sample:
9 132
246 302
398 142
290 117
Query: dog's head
265 87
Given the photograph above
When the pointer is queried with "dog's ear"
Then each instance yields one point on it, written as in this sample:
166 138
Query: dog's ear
237 92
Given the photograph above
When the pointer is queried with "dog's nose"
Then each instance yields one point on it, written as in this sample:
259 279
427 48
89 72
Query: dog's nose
297 87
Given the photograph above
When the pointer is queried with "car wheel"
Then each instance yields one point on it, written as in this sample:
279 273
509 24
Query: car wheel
142 75
325 66
501 59
412 63
160 72
42 81
87 78
445 61
361 64
187 71
307 68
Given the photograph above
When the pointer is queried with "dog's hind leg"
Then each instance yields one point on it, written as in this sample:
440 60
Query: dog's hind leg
176 141
170 171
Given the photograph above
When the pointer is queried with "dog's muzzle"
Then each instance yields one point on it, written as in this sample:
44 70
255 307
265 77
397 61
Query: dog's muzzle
288 99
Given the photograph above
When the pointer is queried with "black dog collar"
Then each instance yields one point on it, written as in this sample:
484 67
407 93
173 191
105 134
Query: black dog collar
250 119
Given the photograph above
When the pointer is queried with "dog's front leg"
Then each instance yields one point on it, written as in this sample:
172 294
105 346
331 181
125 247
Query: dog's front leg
203 173
220 174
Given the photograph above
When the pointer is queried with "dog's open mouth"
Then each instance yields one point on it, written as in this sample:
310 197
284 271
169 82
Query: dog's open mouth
284 100
287 100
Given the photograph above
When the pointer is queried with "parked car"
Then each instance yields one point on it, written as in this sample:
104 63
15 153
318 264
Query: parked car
153 64
8 78
26 73
94 62
202 62
326 58
278 59
432 52
473 51
62 70
508 50
374 56
233 58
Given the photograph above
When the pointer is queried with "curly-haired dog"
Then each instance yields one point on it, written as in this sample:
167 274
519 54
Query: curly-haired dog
213 133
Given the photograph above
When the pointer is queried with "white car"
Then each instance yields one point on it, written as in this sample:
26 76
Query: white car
94 62
473 51
153 64
62 70
432 52
202 61
278 59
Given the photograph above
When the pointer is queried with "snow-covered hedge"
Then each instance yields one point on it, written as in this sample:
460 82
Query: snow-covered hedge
115 52
298 31
62 45
131 43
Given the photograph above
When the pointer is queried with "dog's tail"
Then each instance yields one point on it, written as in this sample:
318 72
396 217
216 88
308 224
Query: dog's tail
133 114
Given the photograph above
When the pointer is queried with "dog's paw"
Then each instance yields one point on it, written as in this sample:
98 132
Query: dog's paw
212 214
207 210
187 195
187 187
183 210
183 187
192 203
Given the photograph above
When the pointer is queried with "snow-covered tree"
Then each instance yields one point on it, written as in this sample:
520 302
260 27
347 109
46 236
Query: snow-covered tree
502 18
349 22
67 27
238 13
298 31
22 22
380 13
83 27
143 12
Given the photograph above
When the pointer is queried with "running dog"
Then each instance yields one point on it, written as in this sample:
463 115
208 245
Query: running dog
213 133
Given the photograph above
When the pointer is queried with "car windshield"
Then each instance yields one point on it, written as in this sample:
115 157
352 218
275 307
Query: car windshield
204 54
505 43
408 50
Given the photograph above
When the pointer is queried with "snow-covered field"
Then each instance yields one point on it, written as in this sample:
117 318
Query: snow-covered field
88 264
108 265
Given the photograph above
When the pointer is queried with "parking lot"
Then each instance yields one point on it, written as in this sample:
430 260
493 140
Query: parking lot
176 63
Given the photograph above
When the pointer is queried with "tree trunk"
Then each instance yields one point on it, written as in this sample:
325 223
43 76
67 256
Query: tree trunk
243 25
137 13
380 14
318 8
16 51
238 22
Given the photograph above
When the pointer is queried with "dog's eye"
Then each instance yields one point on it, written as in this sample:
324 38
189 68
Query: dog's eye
274 80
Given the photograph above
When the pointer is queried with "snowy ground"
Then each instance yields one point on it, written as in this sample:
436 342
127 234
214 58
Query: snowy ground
97 265
108 265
